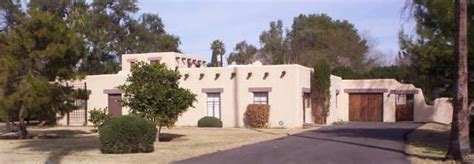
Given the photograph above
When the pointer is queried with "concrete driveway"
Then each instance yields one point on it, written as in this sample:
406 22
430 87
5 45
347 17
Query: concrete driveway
368 142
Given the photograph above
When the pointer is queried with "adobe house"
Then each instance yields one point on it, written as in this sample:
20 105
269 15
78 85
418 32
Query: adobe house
225 92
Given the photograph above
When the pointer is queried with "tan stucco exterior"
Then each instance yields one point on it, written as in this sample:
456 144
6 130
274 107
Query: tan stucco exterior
285 85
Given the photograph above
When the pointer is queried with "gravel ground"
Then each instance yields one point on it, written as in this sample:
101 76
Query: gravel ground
80 145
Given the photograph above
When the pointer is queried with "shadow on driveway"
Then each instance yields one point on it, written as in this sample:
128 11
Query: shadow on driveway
368 142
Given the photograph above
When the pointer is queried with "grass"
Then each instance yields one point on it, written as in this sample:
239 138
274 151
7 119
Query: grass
81 145
429 144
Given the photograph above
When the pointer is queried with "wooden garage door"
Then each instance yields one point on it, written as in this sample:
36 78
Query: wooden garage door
365 106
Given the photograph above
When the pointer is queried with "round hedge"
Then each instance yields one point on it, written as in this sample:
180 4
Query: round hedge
127 134
209 121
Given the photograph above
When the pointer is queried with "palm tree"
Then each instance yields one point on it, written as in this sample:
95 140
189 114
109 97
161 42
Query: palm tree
218 50
459 145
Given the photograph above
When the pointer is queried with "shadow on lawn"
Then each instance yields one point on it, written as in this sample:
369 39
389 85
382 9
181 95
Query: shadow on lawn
169 137
44 134
59 143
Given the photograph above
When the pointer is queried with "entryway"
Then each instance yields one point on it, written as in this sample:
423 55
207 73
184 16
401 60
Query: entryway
114 106
404 107
365 107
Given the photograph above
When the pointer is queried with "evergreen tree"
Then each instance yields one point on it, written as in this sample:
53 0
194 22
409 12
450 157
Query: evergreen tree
110 30
38 54
320 84
430 54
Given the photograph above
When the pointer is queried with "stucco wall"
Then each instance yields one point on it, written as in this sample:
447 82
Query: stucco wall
285 98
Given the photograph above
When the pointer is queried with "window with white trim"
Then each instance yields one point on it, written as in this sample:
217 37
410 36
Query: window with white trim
214 105
260 97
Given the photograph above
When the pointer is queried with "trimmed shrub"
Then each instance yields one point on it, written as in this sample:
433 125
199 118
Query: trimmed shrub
209 121
127 134
257 115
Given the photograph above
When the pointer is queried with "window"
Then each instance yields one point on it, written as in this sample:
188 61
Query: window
307 100
214 105
260 97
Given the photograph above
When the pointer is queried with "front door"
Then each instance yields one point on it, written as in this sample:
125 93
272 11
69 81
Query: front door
115 108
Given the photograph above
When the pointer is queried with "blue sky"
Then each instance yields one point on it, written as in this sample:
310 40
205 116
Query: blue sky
199 22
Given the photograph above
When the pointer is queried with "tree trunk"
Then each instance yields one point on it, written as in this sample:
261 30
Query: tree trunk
459 145
159 133
22 129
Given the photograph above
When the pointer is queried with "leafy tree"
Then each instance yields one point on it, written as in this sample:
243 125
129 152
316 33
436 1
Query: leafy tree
152 92
320 88
274 45
316 36
319 36
38 54
218 50
243 53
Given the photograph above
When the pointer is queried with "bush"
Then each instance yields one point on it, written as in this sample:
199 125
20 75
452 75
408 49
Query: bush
98 116
127 134
209 121
257 115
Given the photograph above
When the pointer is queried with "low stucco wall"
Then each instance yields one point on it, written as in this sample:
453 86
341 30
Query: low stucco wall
440 112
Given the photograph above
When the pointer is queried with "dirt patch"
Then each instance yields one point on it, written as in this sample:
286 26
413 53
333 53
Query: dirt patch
80 145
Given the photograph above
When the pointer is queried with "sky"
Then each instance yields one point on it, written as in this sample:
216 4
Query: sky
199 22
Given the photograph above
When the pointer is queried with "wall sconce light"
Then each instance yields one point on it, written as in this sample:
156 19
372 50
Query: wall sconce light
337 92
